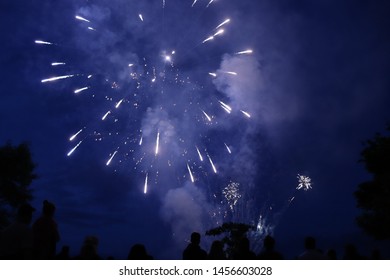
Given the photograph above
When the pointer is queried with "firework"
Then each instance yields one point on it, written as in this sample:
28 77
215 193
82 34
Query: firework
75 135
74 149
232 194
52 79
304 182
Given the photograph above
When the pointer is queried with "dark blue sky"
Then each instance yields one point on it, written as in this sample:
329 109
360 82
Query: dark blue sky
316 86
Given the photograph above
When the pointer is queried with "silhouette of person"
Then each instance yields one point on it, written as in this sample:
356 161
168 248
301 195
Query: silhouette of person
45 233
331 254
193 251
269 252
138 252
64 253
242 251
351 253
216 251
16 240
89 249
311 252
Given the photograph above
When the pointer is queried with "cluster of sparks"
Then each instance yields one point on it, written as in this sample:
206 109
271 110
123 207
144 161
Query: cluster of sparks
232 194
209 118
304 182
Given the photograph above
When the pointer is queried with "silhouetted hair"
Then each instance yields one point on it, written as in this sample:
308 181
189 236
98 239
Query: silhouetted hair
269 242
48 208
195 238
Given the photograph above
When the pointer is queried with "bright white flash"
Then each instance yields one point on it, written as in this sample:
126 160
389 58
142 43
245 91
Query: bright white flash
81 89
89 76
112 156
199 154
118 104
168 58
146 184
228 149
304 182
58 63
213 74
56 78
141 17
74 149
105 115
75 135
81 18
245 52
246 113
157 142
222 24
212 164
207 116
189 171
43 42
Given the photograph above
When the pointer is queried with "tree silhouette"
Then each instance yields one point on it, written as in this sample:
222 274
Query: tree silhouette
373 197
233 232
16 174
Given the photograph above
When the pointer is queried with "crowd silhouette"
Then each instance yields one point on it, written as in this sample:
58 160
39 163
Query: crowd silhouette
24 240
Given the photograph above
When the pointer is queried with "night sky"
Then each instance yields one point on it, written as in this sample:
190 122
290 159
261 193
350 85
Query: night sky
316 86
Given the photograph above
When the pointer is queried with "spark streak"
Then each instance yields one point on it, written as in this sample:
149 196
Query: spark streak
157 142
226 107
193 4
146 184
222 24
189 171
81 89
200 155
58 63
212 164
40 42
245 52
230 73
228 149
245 113
56 78
140 141
211 1
74 148
118 104
105 115
112 156
75 135
212 74
81 18
141 17
219 32
208 39
207 116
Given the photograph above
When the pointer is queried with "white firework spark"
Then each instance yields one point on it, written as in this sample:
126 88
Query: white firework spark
232 194
304 182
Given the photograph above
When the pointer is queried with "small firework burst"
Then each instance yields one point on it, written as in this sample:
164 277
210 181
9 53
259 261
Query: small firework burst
304 182
232 194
